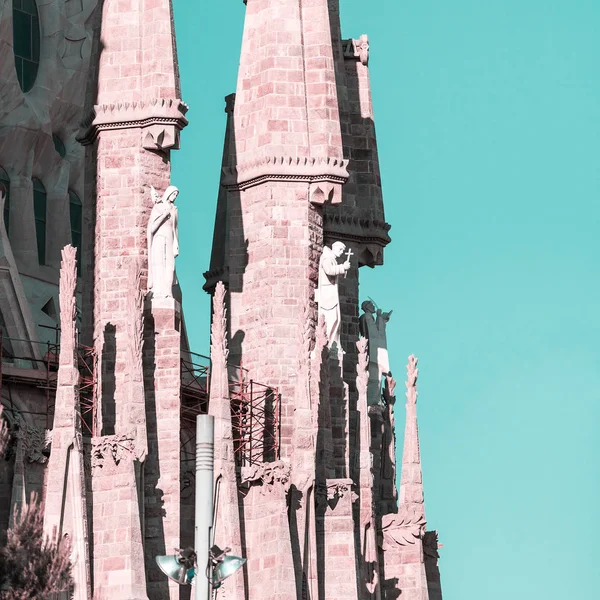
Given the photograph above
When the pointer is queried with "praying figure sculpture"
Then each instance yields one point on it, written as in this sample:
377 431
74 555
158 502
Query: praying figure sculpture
163 243
373 323
327 295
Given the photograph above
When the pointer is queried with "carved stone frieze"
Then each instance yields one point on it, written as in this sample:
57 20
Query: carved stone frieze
116 447
403 528
160 119
324 175
268 475
36 440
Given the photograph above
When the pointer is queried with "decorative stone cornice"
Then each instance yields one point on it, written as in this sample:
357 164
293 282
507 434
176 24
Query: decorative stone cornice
268 475
116 447
402 529
357 49
325 175
160 119
357 228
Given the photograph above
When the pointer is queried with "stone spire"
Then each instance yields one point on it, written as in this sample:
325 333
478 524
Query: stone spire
403 532
287 118
65 509
227 522
135 115
411 482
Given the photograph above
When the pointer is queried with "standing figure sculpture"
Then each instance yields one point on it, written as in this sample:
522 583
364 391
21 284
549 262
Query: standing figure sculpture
328 297
163 243
373 323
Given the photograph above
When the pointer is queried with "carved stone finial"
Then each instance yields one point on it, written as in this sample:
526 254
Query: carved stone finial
411 383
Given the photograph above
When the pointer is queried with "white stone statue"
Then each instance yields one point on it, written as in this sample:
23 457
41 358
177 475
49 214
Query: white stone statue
327 295
163 243
373 323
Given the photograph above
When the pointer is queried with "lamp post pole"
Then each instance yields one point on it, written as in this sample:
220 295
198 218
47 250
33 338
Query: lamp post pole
205 458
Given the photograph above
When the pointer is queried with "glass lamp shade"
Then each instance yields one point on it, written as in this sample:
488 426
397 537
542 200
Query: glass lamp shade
175 570
225 568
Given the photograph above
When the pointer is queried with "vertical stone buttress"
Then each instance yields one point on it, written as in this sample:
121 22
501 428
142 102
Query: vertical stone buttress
288 162
227 522
65 507
403 532
135 123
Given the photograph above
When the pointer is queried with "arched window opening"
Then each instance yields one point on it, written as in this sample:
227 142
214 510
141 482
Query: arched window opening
39 211
5 182
26 41
59 146
76 212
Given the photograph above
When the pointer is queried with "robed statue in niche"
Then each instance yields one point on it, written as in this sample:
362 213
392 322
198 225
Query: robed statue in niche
373 323
163 243
327 295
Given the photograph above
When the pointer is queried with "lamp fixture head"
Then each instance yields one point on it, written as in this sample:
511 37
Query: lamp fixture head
178 567
223 566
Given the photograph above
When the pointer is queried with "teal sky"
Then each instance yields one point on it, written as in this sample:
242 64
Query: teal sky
488 121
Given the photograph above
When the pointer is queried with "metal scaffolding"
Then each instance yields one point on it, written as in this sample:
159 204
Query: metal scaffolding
255 407
255 412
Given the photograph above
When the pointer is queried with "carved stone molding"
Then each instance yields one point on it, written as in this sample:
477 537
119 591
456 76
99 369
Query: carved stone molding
333 491
338 488
116 447
357 227
268 475
357 49
402 529
160 119
35 441
324 175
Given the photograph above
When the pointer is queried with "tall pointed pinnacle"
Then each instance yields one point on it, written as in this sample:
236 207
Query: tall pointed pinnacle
403 532
66 512
227 523
287 123
411 483
368 538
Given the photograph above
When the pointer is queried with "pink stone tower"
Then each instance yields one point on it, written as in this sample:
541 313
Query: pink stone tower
312 486
135 118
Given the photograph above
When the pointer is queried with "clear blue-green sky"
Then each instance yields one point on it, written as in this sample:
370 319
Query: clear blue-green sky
488 121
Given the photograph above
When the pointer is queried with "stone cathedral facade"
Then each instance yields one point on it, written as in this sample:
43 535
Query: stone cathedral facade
98 383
